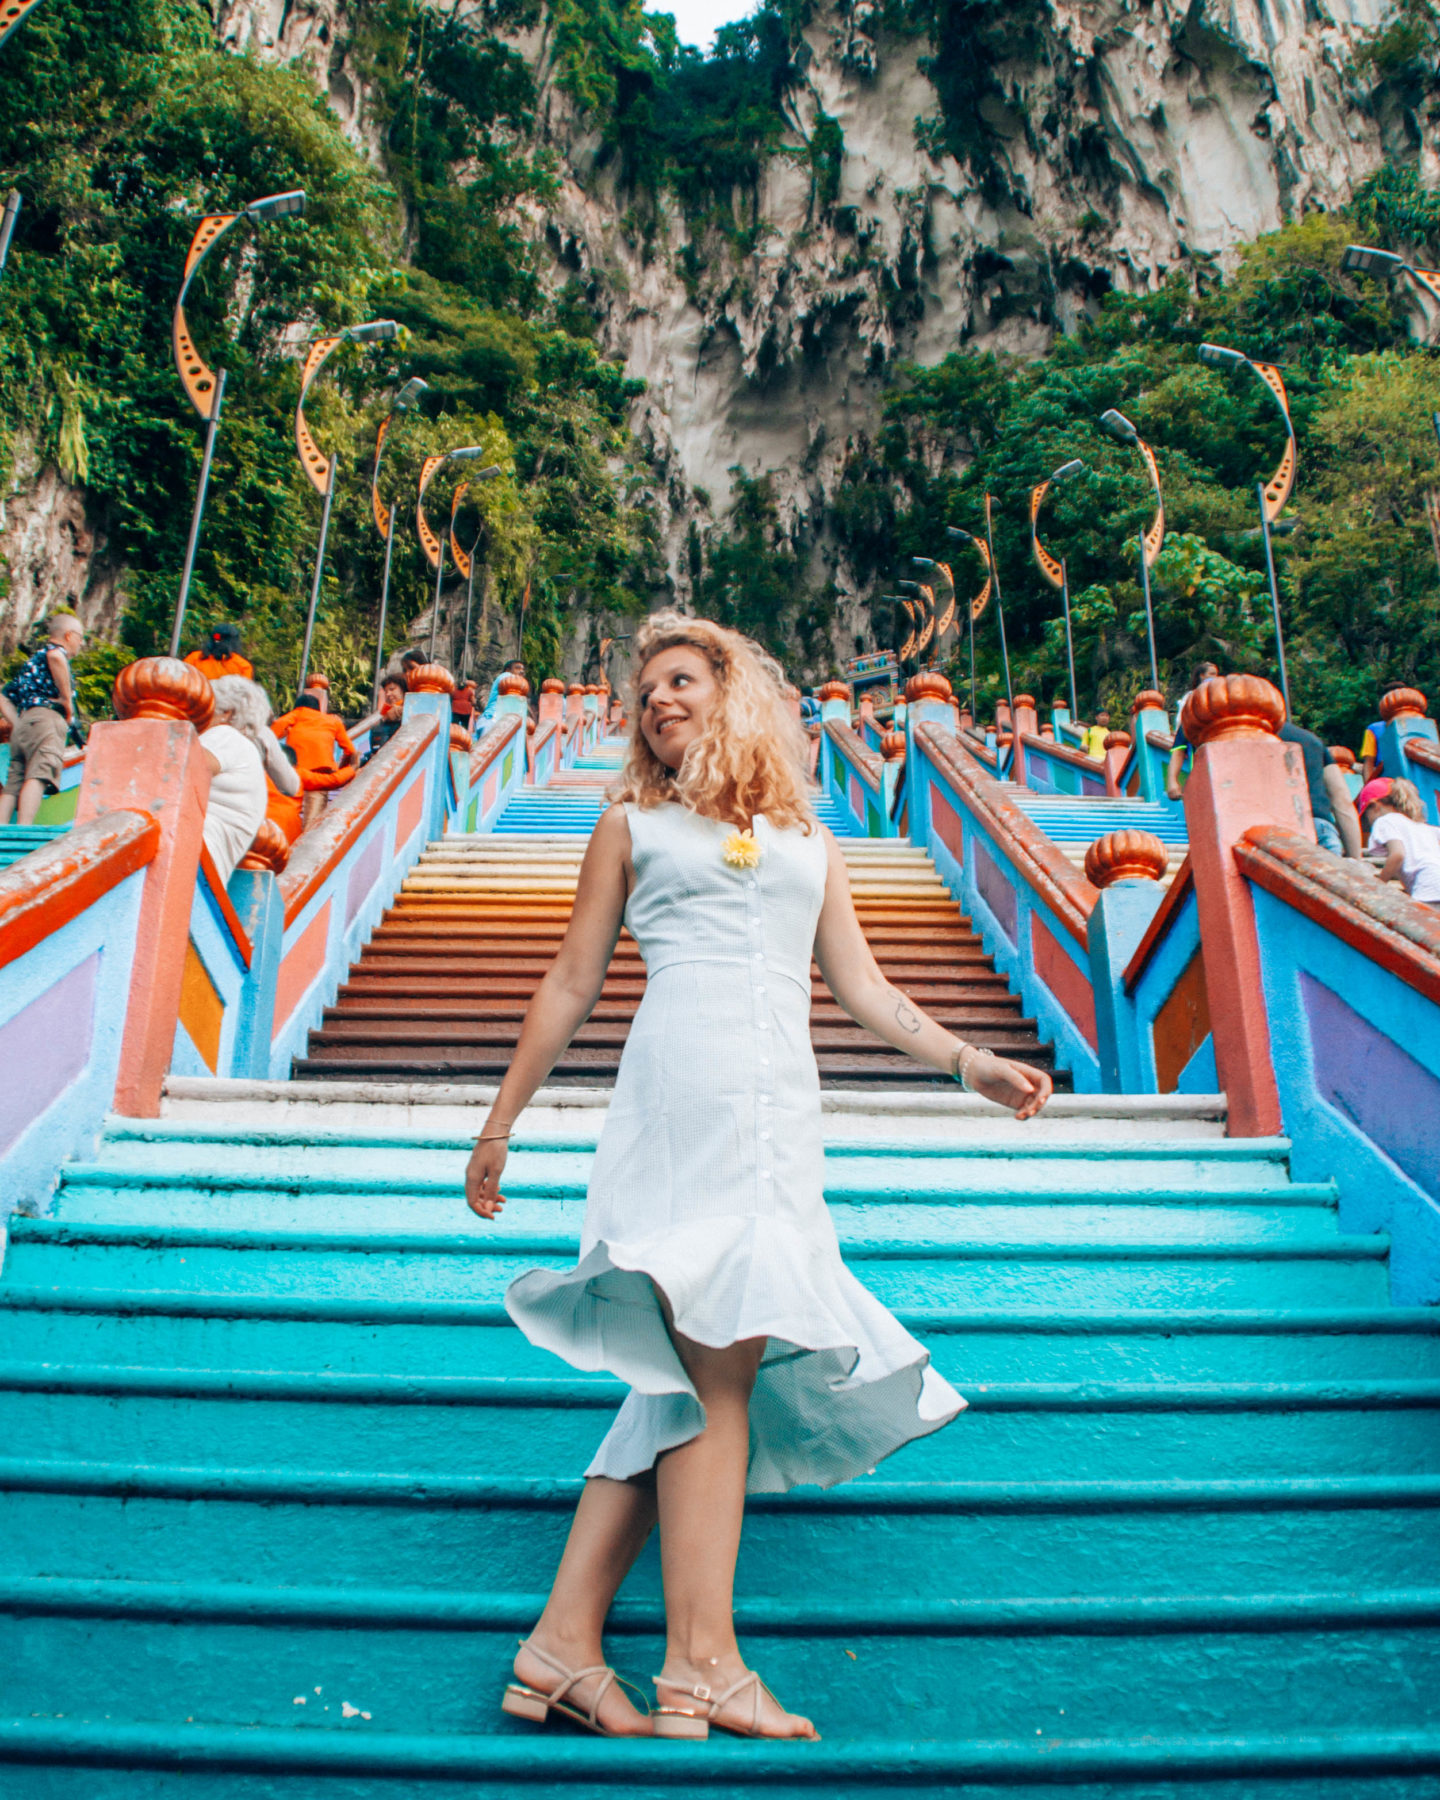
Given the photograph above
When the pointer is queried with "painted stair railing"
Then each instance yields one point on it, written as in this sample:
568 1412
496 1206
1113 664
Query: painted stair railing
282 1484
114 975
1258 964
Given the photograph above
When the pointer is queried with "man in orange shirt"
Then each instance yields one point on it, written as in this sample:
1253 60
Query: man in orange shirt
314 734
221 655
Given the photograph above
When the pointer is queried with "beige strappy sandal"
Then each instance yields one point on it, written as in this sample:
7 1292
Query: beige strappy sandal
691 1722
524 1702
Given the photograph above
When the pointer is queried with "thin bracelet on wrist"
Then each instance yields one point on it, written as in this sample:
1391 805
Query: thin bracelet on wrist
488 1137
960 1066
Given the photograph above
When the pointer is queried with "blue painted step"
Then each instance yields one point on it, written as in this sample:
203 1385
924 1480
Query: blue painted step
19 840
1070 820
266 1433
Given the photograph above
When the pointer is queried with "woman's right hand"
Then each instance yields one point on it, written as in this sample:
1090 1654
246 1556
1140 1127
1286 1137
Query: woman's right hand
482 1176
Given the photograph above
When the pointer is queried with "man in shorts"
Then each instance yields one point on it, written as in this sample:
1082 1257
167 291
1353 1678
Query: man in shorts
39 704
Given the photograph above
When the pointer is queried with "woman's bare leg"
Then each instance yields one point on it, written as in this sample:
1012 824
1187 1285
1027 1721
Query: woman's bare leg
701 1491
608 1532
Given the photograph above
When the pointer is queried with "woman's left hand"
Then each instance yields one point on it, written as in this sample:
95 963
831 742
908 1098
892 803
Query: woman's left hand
1016 1085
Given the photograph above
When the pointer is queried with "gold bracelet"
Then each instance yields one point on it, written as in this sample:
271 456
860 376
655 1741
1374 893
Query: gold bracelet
494 1137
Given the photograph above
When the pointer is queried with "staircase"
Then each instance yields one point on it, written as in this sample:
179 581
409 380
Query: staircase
281 1484
1074 823
441 989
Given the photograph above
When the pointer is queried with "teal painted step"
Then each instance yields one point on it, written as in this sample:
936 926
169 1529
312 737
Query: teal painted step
267 1429
19 840
340 1764
435 1664
282 1527
1081 821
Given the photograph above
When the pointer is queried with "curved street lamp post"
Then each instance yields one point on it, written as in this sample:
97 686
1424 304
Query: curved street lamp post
947 618
385 515
1271 494
1056 573
319 468
1120 428
906 648
205 387
434 547
986 547
925 607
1384 265
465 563
13 13
980 601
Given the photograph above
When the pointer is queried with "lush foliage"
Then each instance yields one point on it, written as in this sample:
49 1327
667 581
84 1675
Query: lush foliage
1357 562
121 126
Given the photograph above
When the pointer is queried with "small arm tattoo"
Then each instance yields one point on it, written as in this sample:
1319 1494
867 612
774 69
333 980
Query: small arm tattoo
906 1017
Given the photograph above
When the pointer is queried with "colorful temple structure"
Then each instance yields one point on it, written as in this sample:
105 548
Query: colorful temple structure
281 1482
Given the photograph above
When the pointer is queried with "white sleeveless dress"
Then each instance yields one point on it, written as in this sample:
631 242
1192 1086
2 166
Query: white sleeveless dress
708 1183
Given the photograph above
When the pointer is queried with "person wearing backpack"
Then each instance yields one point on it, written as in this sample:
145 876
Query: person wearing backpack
39 704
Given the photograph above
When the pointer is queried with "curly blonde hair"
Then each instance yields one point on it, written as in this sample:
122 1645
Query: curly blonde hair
752 755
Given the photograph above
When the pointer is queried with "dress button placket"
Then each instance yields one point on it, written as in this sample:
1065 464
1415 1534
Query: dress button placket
764 1170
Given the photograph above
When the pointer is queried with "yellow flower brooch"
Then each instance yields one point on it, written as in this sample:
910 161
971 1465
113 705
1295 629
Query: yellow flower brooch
740 850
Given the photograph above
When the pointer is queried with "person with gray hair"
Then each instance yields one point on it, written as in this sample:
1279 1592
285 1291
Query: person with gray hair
240 750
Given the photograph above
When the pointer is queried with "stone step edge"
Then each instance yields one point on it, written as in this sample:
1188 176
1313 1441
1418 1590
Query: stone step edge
603 1391
832 1766
938 1321
832 1100
424 1609
429 1488
122 1130
837 1188
1302 1246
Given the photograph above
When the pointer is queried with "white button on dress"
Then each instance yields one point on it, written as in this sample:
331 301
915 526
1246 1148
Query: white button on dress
679 1202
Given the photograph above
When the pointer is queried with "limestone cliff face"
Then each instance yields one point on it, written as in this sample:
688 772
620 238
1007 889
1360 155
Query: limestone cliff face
1111 141
1139 137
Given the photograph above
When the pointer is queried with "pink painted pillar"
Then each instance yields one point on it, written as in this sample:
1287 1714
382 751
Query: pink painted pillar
1117 748
1026 720
154 762
1243 776
552 700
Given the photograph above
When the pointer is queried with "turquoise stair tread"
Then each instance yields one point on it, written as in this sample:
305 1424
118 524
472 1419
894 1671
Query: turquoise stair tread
220 1664
189 1526
838 1763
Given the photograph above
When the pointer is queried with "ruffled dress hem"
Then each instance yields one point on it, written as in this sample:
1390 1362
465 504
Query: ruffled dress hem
841 1385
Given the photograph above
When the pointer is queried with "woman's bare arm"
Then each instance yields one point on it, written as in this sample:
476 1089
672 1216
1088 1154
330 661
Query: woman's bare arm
562 1002
854 978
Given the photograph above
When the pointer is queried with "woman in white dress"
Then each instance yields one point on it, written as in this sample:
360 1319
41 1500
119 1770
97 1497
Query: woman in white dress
710 1277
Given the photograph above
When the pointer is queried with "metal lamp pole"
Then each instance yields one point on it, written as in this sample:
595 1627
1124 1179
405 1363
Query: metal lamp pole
1056 573
434 547
1120 428
980 601
385 515
7 225
205 387
319 468
1271 494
